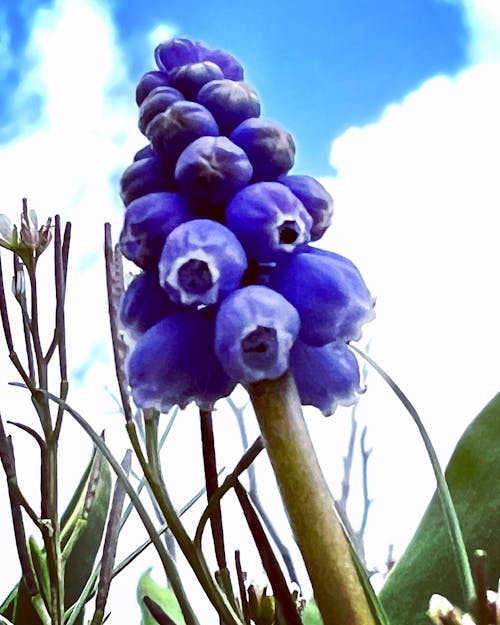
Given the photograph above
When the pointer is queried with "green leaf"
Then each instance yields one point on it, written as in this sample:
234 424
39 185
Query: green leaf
82 528
93 511
161 595
8 607
427 566
311 615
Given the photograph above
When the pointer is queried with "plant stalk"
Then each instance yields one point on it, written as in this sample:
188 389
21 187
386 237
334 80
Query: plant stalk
318 529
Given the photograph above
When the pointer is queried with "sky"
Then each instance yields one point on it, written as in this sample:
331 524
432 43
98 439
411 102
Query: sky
394 106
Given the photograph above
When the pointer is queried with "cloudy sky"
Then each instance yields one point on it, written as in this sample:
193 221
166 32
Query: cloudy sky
394 105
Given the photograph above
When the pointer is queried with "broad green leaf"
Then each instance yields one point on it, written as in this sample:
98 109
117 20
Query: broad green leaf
161 595
428 566
86 514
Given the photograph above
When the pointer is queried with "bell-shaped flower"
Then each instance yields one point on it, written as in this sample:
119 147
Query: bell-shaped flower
316 199
329 294
143 304
327 376
174 363
269 220
201 263
255 330
230 103
148 221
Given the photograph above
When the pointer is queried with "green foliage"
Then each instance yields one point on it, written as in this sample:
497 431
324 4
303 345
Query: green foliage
161 595
82 527
428 566
311 615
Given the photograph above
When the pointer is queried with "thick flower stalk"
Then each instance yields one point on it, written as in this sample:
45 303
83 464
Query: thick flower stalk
231 291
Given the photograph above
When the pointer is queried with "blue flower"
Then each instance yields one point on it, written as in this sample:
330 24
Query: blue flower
201 262
327 376
157 101
270 149
329 294
147 83
230 103
269 220
148 221
190 78
174 129
174 363
316 199
255 330
175 52
143 176
144 303
210 171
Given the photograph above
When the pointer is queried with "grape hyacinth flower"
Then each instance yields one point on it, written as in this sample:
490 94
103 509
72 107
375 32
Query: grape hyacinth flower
201 262
211 170
269 220
144 304
148 221
174 362
271 149
327 376
255 330
213 193
231 291
329 294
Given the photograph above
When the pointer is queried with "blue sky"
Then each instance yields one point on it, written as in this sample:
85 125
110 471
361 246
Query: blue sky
393 104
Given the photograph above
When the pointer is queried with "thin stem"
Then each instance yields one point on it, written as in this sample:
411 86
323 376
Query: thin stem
317 528
194 556
110 544
211 483
168 563
450 515
4 313
243 464
20 295
114 285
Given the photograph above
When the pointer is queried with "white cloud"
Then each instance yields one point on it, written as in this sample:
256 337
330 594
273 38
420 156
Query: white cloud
483 17
417 204
161 32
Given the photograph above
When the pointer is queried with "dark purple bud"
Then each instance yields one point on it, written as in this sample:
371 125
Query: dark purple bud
175 52
145 152
255 330
211 169
229 102
326 377
270 149
268 220
201 263
190 78
231 68
316 199
147 83
157 101
147 175
148 222
183 122
329 294
144 303
174 363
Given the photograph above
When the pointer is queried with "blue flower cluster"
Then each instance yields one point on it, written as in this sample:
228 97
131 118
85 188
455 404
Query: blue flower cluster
231 291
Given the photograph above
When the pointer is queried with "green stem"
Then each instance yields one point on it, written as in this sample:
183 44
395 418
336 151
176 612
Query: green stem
450 514
191 553
317 528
